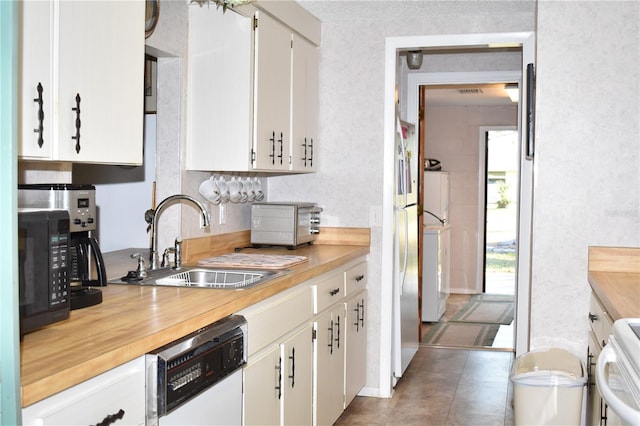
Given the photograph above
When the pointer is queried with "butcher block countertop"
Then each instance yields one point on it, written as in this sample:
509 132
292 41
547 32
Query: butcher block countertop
134 320
614 276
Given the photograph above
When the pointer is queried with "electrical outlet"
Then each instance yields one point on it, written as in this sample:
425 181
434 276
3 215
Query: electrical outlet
222 216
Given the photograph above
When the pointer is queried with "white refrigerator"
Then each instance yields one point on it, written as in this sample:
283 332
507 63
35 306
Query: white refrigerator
436 198
435 272
435 246
405 331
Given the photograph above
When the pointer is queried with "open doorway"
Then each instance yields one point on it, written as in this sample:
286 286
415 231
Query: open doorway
501 177
483 191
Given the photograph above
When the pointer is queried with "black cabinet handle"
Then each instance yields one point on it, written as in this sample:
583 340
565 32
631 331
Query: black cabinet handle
359 278
272 139
592 317
357 311
362 314
279 370
78 123
311 154
292 376
334 291
40 129
304 158
111 418
590 364
281 141
331 338
338 338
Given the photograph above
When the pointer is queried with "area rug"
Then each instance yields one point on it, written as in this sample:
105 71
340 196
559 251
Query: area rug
461 334
486 309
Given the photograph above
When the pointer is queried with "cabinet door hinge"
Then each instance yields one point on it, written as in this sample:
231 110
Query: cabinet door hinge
255 22
253 156
314 335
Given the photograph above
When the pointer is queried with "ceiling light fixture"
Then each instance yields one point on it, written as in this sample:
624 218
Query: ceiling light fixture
512 91
414 59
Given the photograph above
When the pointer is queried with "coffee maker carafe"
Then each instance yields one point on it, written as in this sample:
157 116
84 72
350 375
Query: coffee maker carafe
87 269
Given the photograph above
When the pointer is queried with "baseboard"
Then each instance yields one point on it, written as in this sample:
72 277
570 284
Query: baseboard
371 392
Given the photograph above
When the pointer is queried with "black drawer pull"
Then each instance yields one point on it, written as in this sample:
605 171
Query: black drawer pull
112 418
272 139
279 370
331 338
78 123
40 129
292 376
334 291
359 278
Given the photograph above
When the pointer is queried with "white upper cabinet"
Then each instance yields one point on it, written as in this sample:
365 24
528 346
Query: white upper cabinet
36 79
220 90
95 64
272 94
252 93
304 105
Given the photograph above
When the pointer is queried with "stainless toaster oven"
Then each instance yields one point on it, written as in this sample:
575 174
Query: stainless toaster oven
284 224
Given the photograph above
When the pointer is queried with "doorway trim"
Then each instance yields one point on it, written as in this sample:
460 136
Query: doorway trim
393 45
415 80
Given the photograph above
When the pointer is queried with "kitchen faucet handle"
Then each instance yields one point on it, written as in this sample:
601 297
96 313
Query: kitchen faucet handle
141 271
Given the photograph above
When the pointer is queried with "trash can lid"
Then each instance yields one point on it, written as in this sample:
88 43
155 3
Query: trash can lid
548 367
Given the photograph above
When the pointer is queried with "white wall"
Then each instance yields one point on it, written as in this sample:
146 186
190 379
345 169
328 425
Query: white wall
587 189
122 204
348 184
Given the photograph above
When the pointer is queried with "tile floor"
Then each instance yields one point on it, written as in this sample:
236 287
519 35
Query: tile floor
443 387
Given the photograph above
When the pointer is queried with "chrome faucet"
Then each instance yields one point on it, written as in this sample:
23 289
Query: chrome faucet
156 214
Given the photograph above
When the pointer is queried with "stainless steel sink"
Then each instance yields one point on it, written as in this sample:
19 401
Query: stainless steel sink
219 278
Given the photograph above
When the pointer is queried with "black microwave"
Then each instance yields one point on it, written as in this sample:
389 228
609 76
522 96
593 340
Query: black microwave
43 267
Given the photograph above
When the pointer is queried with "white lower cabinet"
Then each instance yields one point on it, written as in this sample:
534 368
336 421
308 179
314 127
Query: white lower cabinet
307 350
600 326
116 396
262 394
330 365
356 347
278 382
297 373
340 354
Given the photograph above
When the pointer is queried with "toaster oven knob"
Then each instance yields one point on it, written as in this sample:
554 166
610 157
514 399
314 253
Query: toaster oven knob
314 220
314 231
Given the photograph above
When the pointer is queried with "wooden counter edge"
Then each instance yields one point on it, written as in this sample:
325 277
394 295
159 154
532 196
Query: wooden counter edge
614 259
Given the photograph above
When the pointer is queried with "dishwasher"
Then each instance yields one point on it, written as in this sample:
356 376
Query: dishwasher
197 380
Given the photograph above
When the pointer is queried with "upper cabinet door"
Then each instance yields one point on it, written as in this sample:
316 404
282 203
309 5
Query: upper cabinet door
304 105
100 75
220 90
36 79
249 92
272 94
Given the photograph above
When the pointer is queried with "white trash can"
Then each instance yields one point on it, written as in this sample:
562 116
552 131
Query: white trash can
548 388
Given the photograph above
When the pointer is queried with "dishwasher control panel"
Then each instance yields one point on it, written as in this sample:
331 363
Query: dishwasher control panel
183 369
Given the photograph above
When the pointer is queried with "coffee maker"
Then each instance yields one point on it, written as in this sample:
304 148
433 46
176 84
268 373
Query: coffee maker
87 269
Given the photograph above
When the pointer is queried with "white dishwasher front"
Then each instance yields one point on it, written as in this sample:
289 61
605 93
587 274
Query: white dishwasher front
220 405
